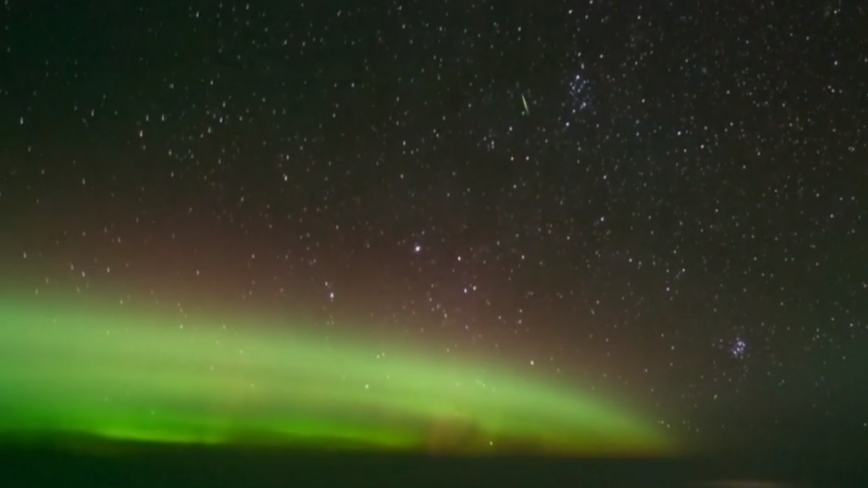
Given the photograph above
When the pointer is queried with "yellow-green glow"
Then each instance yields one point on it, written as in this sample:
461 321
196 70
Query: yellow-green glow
118 373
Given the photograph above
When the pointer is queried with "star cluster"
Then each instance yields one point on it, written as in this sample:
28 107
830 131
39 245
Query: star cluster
665 201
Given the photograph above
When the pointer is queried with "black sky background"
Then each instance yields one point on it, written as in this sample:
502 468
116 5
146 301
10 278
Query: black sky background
678 216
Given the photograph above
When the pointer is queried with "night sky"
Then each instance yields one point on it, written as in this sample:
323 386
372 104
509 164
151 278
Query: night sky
659 203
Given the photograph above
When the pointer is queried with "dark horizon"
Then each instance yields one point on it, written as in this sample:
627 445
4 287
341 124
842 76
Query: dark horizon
803 453
155 466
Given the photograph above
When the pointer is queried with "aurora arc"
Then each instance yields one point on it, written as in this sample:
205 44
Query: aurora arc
121 374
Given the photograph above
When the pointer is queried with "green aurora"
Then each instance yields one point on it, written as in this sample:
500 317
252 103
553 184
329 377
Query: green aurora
69 368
